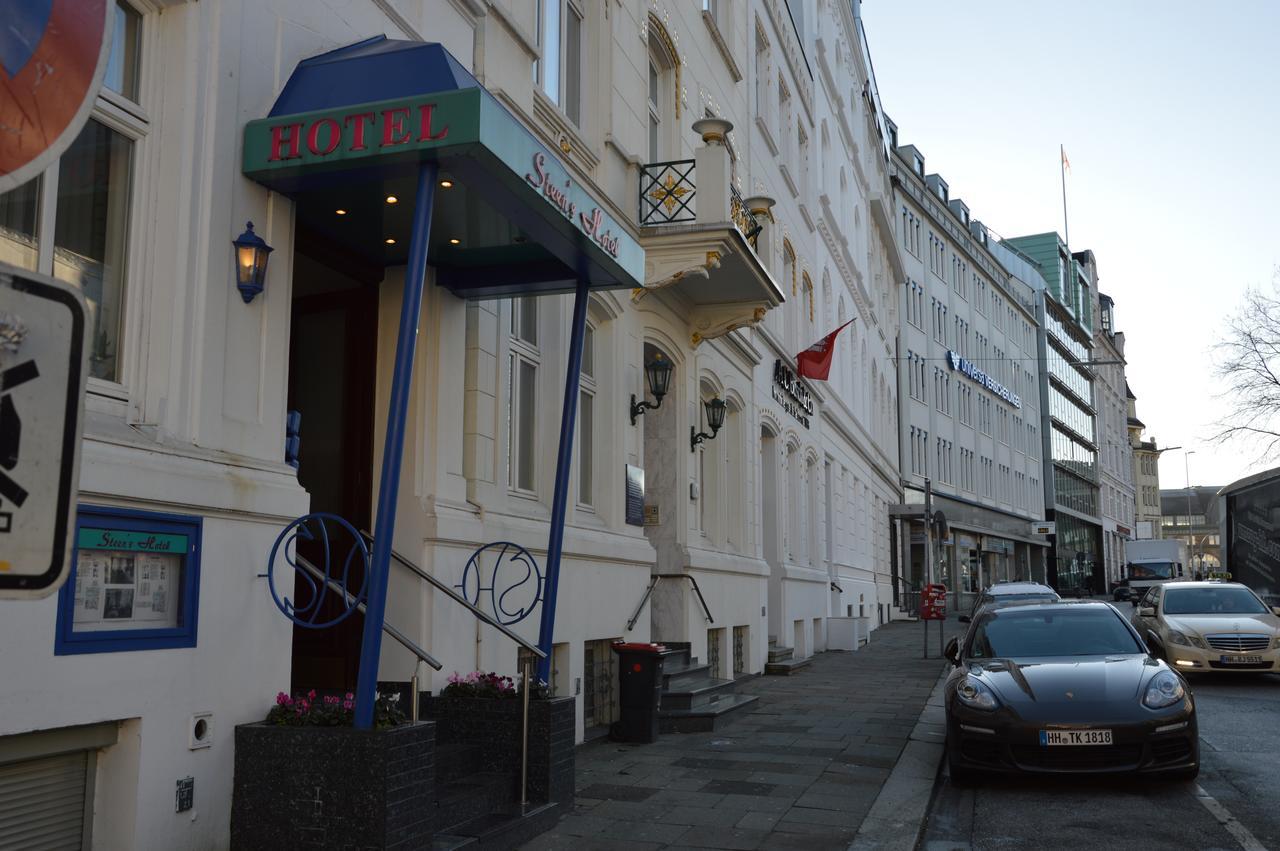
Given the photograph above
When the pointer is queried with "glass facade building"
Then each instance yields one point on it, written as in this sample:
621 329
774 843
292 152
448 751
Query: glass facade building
1071 458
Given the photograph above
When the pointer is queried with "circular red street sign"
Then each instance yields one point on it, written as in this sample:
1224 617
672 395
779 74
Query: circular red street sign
53 56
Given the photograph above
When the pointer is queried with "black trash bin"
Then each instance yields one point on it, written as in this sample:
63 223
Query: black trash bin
639 691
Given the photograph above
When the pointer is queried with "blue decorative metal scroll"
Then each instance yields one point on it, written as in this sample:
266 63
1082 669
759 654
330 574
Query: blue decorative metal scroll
326 530
513 569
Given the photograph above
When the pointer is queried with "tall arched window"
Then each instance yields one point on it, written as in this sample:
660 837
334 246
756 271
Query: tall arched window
663 90
794 540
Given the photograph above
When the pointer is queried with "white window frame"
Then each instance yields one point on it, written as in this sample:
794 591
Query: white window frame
586 444
566 79
521 351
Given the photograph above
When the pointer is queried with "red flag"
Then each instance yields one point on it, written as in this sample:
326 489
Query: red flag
815 361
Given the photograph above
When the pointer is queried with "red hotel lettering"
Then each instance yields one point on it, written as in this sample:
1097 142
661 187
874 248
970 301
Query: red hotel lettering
393 129
357 132
539 176
313 137
426 134
279 140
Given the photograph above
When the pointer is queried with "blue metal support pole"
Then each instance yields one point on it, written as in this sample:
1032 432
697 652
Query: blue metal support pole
393 448
568 418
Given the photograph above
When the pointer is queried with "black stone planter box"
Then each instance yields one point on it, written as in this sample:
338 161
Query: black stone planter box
333 787
494 726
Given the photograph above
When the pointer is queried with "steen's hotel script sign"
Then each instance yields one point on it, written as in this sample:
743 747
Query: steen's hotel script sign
789 392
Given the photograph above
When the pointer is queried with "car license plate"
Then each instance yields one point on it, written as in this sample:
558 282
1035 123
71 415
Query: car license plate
1240 660
1075 737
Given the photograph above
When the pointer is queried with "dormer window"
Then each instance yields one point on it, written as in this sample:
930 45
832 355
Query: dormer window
942 192
918 165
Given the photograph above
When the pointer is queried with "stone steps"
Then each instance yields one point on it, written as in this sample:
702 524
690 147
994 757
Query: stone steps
782 662
692 699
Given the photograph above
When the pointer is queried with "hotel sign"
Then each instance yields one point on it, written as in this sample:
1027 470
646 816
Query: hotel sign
964 365
791 394
445 127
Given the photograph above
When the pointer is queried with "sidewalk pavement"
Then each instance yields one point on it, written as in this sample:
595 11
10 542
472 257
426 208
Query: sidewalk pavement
834 753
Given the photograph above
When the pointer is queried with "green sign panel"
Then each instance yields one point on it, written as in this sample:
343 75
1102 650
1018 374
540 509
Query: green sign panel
131 541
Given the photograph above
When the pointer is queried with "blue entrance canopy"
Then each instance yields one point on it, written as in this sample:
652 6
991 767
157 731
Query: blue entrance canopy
350 130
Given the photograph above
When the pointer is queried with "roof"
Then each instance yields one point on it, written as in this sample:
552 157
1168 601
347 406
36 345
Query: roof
1018 588
1199 499
375 69
1265 477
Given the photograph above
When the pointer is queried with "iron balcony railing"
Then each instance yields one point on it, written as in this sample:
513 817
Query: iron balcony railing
667 191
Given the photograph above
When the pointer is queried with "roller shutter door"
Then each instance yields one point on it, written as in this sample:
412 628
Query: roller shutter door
42 803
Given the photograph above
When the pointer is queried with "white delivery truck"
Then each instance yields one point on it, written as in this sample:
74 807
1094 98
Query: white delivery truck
1151 562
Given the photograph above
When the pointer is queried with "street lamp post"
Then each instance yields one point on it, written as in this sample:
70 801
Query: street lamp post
1186 469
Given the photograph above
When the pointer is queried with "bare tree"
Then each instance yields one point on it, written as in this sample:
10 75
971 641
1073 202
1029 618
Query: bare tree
1248 362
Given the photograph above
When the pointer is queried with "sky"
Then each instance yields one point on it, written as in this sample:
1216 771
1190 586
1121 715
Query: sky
1169 113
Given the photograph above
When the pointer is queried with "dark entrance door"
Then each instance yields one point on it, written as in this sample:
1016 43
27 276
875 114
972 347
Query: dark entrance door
332 372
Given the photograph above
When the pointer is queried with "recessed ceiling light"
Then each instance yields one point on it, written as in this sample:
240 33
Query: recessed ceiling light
341 212
454 240
391 199
446 184
390 241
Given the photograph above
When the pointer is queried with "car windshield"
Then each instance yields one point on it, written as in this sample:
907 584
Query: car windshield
1212 601
1009 633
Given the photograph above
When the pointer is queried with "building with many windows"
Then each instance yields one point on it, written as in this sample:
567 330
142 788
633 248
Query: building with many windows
1194 515
1146 475
721 172
1068 428
1116 493
968 387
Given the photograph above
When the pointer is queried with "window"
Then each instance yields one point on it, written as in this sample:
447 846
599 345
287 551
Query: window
522 377
586 421
90 193
134 583
559 71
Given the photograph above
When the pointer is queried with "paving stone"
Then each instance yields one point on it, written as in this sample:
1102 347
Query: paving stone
614 792
738 839
705 817
737 787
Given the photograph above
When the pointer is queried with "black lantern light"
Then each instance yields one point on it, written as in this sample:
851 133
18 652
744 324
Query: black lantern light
715 409
251 263
657 374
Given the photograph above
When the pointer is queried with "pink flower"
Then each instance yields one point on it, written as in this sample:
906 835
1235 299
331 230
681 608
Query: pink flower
350 696
348 704
312 694
282 699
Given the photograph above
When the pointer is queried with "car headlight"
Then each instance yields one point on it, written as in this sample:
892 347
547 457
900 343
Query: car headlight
1275 644
1191 640
1165 689
976 694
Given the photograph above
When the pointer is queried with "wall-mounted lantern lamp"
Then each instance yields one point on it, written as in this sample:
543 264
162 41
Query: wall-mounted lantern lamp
251 263
715 418
657 373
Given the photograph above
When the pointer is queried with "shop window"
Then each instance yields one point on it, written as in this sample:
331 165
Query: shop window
134 583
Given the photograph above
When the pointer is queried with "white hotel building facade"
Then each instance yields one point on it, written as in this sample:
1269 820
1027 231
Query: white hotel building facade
783 517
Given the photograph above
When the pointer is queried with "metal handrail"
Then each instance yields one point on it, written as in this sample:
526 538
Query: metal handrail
458 598
653 584
386 627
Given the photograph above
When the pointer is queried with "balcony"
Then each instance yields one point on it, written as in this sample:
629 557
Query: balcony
703 242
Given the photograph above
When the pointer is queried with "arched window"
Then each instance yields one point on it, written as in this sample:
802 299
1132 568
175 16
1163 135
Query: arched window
663 91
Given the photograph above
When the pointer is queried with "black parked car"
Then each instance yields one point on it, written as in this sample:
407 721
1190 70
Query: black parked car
1065 687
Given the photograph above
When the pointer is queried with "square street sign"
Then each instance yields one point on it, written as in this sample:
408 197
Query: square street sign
43 368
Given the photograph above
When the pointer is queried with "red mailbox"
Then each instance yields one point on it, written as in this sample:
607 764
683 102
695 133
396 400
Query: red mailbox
933 603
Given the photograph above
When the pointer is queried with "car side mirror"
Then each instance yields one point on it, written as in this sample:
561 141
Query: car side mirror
965 618
1133 601
1275 610
953 652
1146 612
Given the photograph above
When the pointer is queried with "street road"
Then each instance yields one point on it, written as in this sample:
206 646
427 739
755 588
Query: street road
1239 750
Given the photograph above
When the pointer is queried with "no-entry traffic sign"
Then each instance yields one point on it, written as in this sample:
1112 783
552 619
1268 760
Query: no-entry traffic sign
43 369
53 55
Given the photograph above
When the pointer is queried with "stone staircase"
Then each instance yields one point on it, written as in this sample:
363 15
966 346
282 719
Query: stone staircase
782 662
693 701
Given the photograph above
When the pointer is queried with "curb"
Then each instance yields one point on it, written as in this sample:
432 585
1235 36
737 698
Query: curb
898 814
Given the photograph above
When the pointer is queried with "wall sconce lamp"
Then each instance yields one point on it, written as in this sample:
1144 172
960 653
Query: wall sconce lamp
251 263
715 418
657 374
